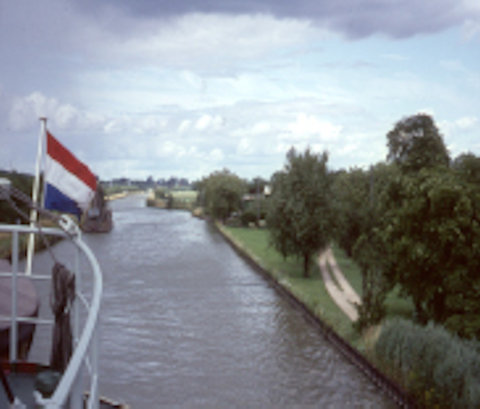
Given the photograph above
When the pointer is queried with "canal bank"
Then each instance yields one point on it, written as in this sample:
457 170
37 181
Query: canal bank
331 335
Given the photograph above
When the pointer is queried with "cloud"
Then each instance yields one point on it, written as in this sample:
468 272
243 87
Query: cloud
467 122
209 122
184 126
462 124
471 29
216 155
214 41
461 134
307 126
353 18
25 112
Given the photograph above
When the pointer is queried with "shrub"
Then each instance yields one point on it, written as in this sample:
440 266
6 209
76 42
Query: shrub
439 369
248 217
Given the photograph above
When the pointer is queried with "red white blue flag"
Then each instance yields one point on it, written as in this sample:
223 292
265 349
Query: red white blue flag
69 184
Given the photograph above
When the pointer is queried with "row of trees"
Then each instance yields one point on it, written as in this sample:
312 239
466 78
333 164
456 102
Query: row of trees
415 222
411 222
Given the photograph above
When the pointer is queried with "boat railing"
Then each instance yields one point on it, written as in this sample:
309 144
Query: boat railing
83 364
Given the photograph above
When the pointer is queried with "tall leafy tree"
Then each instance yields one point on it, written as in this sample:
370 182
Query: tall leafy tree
222 193
415 143
433 240
359 214
467 166
350 191
300 212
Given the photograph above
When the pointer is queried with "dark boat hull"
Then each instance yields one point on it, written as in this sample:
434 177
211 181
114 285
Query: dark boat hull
101 224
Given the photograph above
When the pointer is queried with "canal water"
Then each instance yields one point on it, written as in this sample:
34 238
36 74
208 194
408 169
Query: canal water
186 323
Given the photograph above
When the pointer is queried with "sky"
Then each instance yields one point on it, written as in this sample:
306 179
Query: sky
183 88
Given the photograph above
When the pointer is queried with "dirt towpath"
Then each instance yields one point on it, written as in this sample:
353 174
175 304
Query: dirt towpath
337 285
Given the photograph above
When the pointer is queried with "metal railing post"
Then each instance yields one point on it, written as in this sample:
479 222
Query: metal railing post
94 374
76 305
14 325
77 387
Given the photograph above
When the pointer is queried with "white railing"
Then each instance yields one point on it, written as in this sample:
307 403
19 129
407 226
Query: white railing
84 359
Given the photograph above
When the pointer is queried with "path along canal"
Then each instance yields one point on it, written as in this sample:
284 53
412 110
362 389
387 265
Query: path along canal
186 323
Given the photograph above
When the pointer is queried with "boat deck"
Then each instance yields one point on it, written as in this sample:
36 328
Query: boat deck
77 385
22 385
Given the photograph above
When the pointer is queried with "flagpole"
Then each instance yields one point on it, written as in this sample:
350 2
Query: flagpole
35 189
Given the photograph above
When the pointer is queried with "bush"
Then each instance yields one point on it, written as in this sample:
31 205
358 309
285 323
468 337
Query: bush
160 193
439 369
248 217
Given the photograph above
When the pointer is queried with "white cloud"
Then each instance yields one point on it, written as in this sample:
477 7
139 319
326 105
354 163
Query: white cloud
307 126
149 124
208 122
25 112
462 124
213 41
261 128
245 146
111 127
184 126
427 111
216 155
466 122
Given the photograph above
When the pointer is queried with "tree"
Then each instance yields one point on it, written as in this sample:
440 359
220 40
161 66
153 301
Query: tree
350 191
257 185
433 242
222 193
415 143
359 214
300 213
467 166
369 254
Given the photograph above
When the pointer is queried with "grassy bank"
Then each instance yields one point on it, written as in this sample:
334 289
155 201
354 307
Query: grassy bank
173 199
311 291
289 273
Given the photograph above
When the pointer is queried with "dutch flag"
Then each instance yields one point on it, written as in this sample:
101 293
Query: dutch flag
69 184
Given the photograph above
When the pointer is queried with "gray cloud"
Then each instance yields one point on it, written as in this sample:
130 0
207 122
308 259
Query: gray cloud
353 18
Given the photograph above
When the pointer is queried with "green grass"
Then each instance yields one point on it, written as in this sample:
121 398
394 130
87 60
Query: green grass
399 305
350 270
311 291
289 272
186 195
180 199
396 304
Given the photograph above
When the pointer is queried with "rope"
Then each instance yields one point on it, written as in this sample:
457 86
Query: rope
61 299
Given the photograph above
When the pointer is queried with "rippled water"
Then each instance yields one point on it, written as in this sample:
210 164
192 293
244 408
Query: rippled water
186 323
